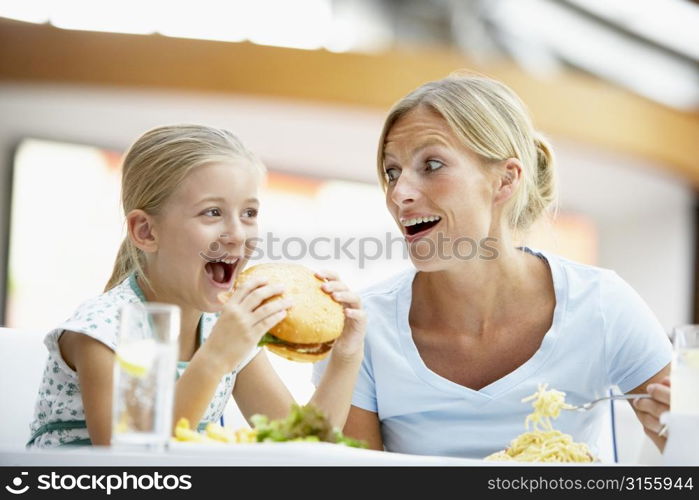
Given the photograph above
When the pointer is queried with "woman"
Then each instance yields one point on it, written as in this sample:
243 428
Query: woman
454 345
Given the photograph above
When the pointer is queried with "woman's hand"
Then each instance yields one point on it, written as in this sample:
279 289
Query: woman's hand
245 318
350 345
649 411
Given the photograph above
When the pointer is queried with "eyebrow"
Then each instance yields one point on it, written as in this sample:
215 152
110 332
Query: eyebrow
221 199
424 145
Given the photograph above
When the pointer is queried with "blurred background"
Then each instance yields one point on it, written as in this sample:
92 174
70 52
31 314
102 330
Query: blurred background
305 84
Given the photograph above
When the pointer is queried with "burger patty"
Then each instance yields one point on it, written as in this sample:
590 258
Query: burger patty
308 348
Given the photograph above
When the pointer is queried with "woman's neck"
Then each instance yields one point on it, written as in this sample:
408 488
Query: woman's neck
188 339
474 296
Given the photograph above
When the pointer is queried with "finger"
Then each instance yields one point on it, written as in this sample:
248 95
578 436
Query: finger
224 297
650 422
238 293
355 314
333 286
665 381
651 406
259 295
326 274
268 323
659 392
270 308
349 299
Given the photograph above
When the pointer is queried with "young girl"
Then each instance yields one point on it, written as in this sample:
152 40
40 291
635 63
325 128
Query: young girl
184 189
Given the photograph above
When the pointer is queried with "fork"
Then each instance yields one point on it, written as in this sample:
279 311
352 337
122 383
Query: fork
587 406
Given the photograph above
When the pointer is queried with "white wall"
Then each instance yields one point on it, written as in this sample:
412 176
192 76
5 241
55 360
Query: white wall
645 222
644 219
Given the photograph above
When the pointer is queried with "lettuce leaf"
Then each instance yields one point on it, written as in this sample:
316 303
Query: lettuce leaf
304 423
268 338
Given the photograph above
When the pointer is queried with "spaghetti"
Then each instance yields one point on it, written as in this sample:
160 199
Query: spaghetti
543 443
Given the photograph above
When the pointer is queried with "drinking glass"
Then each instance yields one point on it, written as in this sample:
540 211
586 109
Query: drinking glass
145 367
685 370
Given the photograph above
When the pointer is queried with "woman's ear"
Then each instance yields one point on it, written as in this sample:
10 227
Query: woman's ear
508 179
141 230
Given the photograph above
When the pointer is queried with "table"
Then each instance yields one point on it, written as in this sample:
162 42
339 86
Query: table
188 454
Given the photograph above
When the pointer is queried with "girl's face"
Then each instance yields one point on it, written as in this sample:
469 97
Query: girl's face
438 192
206 233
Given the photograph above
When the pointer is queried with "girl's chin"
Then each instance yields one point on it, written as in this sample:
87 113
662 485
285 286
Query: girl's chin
212 304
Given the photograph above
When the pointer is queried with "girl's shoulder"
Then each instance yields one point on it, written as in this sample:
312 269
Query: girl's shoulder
97 317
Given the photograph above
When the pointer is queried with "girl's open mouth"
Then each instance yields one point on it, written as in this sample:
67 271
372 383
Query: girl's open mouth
221 272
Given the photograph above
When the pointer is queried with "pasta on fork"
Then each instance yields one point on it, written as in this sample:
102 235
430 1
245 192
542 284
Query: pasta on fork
543 443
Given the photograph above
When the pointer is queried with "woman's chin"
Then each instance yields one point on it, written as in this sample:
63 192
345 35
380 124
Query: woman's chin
429 265
436 263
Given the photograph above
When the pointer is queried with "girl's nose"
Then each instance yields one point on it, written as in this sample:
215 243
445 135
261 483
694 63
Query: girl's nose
233 236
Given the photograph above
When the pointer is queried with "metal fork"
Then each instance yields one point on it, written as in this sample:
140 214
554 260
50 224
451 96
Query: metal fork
587 406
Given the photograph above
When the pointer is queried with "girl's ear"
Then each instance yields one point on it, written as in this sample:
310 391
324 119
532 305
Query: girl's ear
508 179
141 230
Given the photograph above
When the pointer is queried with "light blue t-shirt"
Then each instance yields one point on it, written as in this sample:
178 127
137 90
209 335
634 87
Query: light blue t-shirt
603 334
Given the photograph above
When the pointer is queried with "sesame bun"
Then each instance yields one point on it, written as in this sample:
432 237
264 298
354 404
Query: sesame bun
314 318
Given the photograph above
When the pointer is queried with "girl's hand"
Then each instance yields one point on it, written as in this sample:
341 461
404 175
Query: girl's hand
649 410
350 345
243 321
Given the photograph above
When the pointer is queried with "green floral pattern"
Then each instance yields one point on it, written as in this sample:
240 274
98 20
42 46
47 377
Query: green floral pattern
59 397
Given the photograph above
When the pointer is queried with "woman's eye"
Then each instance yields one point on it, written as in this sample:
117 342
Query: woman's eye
433 165
250 213
392 174
214 212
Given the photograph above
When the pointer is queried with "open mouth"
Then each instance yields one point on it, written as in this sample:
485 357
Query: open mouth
416 226
221 272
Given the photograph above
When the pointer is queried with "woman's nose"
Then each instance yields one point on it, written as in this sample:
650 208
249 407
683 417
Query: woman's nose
404 190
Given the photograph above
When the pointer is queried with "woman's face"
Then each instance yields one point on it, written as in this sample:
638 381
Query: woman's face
205 234
438 193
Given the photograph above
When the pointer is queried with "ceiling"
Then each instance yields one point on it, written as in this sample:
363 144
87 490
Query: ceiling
650 47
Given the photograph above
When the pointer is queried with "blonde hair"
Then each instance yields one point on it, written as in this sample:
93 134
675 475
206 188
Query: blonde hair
156 164
492 122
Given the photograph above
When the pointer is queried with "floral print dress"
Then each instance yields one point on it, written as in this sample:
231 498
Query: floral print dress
59 416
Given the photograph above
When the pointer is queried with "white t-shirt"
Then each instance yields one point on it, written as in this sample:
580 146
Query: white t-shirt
59 403
602 335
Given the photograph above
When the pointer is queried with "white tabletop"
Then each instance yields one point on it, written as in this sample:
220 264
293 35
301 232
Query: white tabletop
187 454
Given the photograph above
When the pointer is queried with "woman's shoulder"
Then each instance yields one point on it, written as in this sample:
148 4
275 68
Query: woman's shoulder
585 282
388 288
579 275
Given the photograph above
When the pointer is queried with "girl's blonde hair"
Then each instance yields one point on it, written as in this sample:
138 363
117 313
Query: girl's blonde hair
156 164
492 122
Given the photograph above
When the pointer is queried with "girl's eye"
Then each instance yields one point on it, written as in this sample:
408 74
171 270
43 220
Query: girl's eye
432 165
214 212
392 174
250 213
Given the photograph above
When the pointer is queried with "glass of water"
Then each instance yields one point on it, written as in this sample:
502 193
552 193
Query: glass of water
145 367
685 370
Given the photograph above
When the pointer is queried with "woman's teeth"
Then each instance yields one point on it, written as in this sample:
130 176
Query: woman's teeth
420 220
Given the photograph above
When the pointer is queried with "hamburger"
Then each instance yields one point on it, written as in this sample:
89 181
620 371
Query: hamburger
313 322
